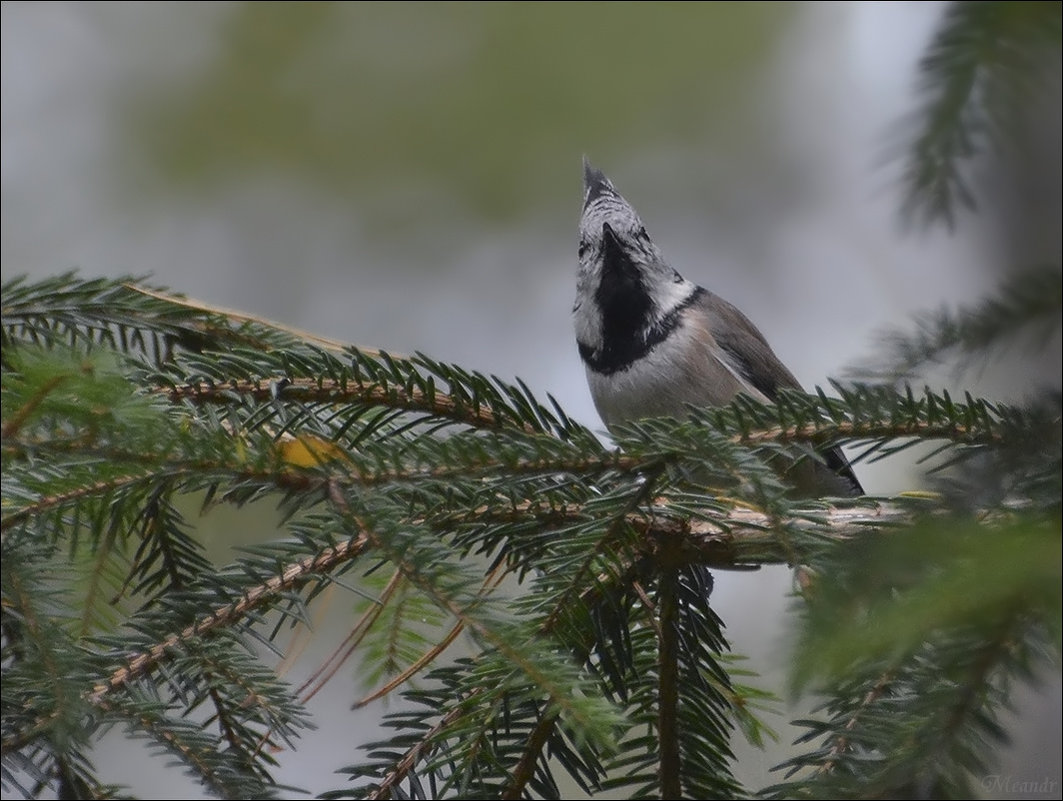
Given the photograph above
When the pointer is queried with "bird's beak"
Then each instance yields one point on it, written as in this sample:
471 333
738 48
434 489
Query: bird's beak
609 238
615 257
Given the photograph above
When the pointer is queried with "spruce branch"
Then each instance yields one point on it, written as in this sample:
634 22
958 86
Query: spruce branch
840 744
46 503
38 632
291 577
317 679
458 481
121 315
185 742
985 61
1026 308
470 612
425 659
408 761
337 391
893 725
668 728
236 316
525 768
490 583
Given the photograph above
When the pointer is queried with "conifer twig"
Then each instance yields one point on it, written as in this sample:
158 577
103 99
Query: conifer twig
292 576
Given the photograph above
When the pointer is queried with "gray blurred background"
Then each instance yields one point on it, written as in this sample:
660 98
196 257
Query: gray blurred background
407 176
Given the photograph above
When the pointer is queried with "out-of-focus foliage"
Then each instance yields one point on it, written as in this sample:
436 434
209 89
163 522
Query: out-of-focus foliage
982 77
542 81
915 641
1023 314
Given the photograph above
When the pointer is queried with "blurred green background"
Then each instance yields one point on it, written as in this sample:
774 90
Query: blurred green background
407 176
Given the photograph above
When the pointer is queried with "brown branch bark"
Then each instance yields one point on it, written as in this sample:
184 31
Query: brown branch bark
350 390
294 575
669 760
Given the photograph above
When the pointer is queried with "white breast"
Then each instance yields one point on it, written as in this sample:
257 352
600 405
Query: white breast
687 368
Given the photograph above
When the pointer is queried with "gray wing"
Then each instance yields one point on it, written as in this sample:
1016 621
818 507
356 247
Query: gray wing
750 355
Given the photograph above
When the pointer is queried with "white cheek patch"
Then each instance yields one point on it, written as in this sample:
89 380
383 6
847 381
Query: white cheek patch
588 324
668 296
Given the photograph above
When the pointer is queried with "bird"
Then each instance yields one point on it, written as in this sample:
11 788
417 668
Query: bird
653 343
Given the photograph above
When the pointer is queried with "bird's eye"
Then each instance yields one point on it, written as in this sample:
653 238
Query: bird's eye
642 235
582 249
677 278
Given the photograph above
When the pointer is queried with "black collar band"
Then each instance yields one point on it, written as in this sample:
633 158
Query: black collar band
623 346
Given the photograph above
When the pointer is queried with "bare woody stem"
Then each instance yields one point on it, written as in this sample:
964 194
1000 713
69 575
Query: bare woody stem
669 766
293 576
337 391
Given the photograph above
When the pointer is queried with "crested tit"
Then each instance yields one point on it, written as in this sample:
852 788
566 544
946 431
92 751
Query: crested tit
653 342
